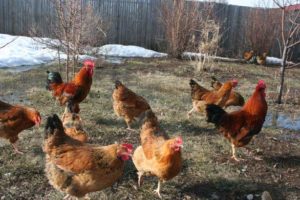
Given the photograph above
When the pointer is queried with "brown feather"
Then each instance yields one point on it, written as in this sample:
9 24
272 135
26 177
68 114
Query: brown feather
127 104
14 119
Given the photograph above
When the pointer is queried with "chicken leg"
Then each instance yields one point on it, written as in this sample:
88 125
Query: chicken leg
140 175
234 157
128 122
190 112
16 149
157 191
67 197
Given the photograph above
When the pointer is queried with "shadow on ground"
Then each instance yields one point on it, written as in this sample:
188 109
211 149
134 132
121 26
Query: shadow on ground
225 189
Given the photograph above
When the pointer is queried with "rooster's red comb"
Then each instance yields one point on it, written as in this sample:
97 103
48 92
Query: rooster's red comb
179 140
89 63
262 84
128 146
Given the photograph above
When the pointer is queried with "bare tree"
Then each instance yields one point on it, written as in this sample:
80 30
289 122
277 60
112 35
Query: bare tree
262 29
188 24
209 36
290 31
76 26
180 19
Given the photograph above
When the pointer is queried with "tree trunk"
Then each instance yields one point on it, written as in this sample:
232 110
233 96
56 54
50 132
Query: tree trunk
282 71
59 62
68 63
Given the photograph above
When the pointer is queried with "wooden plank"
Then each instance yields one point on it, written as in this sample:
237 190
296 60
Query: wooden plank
131 21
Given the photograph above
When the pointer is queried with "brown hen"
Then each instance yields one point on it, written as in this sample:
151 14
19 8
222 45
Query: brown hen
128 104
158 155
14 119
77 168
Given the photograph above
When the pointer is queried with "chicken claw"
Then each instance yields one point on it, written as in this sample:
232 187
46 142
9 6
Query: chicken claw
86 197
67 197
236 159
258 158
131 130
250 153
16 149
190 113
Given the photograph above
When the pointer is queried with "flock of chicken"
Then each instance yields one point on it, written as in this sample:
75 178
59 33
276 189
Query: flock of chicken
77 168
252 58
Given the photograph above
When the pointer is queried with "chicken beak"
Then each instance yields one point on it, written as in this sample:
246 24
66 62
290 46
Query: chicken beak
129 154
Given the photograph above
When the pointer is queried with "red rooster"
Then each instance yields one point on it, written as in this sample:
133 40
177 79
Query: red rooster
240 126
73 92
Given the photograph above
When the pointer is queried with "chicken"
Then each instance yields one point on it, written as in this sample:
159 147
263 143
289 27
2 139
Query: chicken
127 104
240 126
158 155
261 60
14 119
215 84
74 91
73 125
201 96
76 168
235 98
248 55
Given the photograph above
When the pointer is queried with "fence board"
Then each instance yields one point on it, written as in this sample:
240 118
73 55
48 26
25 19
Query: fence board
134 22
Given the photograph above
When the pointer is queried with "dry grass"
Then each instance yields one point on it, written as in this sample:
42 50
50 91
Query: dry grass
207 171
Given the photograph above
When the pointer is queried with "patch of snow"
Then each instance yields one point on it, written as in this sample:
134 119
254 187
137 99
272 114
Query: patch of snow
269 60
273 61
128 51
191 55
26 51
250 196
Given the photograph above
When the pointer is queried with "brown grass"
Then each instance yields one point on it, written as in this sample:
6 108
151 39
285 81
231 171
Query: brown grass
207 173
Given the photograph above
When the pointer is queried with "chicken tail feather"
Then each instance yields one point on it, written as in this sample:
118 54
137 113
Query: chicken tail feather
52 124
118 83
53 77
214 78
214 113
192 83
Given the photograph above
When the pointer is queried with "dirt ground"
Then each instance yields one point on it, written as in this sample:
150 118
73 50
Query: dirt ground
208 172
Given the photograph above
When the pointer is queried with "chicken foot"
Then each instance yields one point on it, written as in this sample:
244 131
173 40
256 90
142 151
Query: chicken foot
157 191
190 112
16 149
129 126
69 197
234 157
251 154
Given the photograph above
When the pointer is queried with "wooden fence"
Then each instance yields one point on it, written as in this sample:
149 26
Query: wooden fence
134 22
131 21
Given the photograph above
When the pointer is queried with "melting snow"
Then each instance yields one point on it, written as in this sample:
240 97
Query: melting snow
128 51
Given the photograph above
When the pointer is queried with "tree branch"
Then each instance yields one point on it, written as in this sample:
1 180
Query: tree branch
282 27
9 42
294 44
278 4
293 66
